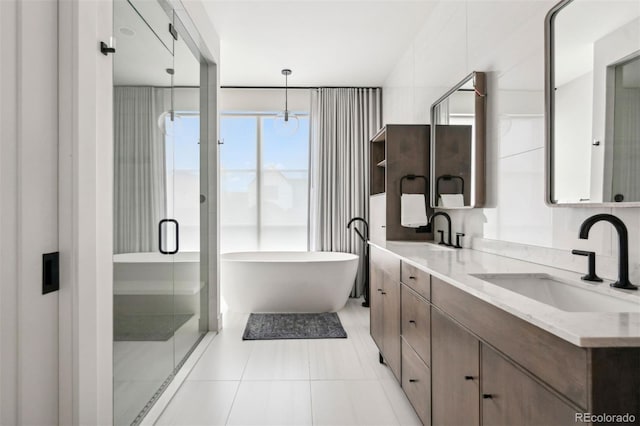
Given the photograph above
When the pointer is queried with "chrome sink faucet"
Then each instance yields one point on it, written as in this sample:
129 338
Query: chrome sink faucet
623 241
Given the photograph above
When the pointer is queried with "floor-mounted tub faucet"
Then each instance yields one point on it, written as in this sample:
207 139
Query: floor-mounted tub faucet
623 251
365 249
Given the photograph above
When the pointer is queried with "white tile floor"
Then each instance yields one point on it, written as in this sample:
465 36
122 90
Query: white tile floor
291 382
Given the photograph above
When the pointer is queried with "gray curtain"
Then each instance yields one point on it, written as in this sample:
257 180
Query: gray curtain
626 136
140 198
342 122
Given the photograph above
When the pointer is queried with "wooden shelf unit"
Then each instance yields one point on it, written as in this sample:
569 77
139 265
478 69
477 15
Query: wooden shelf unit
395 151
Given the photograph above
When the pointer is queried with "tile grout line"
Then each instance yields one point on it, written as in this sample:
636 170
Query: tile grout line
233 401
235 395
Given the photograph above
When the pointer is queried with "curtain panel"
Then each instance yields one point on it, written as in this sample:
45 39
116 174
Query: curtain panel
140 198
343 120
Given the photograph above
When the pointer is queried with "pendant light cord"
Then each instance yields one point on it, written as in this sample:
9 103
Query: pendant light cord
286 97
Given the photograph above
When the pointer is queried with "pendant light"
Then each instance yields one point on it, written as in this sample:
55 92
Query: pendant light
286 122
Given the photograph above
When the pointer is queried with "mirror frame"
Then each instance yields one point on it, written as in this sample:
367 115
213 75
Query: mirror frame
549 100
478 149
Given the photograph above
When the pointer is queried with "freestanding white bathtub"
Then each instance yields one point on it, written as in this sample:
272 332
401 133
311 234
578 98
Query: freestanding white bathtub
287 281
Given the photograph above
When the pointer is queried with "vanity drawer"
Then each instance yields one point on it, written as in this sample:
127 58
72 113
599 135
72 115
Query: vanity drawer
416 323
416 383
418 280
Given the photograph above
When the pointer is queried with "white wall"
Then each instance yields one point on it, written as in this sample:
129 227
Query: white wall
264 100
86 212
506 40
28 212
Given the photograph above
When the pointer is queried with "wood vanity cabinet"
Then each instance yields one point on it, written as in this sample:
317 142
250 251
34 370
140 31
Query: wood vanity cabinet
511 397
505 395
527 375
463 361
455 373
416 339
385 306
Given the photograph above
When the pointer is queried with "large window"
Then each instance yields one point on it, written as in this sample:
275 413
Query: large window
264 184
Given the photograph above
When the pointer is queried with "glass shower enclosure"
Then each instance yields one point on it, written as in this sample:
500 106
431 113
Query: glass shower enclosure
160 288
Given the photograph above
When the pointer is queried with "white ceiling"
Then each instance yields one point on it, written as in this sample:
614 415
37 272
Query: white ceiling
325 43
144 46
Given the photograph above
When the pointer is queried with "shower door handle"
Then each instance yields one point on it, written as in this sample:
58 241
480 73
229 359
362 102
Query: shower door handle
160 233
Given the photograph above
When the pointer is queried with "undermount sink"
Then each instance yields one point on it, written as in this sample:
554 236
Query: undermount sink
428 245
561 294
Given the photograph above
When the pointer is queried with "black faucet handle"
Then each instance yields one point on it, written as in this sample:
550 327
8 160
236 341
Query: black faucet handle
458 235
441 232
591 276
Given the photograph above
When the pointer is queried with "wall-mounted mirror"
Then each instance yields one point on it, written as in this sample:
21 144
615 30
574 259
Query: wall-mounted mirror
593 102
458 145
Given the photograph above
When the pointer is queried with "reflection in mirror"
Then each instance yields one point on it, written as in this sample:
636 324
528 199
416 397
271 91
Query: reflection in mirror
593 102
457 145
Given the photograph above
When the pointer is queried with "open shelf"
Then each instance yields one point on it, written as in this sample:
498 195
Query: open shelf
378 162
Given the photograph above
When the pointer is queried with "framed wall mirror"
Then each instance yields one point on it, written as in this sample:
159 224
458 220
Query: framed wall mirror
458 145
593 103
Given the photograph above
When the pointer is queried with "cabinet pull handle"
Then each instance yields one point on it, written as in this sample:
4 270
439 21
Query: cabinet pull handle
413 380
384 292
412 322
487 396
379 289
412 278
468 377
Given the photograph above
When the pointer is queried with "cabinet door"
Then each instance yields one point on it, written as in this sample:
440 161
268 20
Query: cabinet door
391 330
376 282
510 397
455 365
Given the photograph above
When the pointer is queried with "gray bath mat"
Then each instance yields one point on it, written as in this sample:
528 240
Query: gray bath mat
147 327
294 326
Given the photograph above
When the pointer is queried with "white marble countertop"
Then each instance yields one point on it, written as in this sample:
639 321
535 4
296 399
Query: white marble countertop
585 329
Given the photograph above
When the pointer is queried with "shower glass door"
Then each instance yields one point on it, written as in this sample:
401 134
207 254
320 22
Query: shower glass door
160 178
146 234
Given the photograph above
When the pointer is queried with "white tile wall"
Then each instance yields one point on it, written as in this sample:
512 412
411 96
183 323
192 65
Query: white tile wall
506 40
